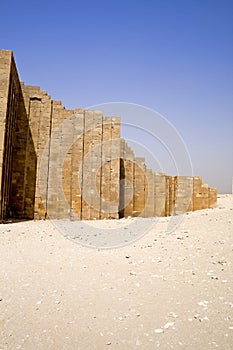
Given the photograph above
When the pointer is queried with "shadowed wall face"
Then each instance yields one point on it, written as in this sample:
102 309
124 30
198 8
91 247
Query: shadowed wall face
18 159
8 105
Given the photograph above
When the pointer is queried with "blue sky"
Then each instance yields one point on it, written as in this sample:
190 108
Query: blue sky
173 56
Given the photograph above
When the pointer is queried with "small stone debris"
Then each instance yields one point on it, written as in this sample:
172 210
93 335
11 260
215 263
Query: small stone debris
205 318
127 256
214 277
222 261
172 314
203 303
108 343
132 273
159 330
169 324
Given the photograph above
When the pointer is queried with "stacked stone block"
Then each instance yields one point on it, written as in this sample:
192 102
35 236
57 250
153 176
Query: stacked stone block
160 193
9 89
197 193
149 194
212 197
205 196
96 160
106 169
38 113
126 205
5 82
171 195
64 170
115 168
77 166
167 202
139 197
55 192
65 164
17 154
9 100
87 166
183 194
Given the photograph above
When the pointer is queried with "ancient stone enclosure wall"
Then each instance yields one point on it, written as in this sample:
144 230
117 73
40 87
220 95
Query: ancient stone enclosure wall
64 164
17 154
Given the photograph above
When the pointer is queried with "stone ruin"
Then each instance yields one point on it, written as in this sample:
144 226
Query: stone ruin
64 164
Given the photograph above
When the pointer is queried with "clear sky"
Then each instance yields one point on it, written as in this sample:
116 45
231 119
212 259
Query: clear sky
173 56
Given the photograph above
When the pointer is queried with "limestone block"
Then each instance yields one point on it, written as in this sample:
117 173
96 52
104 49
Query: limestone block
172 195
183 194
139 186
197 193
205 196
159 194
149 194
127 181
106 168
96 159
167 203
212 195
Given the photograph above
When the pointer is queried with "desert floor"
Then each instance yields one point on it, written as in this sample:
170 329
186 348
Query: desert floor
164 290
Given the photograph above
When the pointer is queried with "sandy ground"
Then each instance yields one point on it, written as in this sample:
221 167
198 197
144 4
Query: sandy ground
167 291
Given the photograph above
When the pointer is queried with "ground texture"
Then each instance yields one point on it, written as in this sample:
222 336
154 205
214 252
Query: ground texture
167 291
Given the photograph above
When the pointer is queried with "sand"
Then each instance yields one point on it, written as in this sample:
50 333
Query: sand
166 291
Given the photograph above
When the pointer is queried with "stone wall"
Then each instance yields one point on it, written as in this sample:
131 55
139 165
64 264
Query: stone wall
8 105
78 160
17 153
63 164
157 194
183 194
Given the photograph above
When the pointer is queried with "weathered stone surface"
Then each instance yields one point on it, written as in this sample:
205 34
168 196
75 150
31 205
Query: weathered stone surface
160 191
59 163
183 194
197 193
139 187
